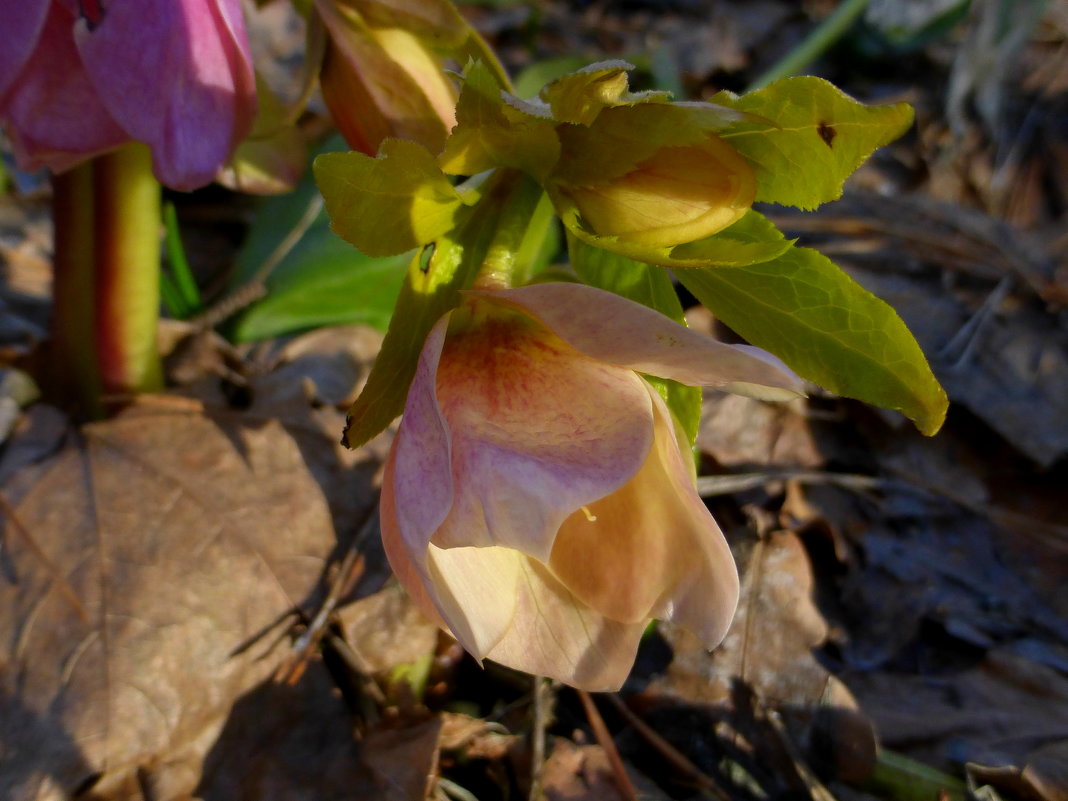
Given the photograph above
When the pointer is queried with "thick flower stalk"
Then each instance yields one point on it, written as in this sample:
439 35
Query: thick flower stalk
78 79
536 500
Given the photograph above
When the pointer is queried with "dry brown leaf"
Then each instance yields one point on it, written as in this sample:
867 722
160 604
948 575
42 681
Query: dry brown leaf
1043 778
403 762
770 642
137 565
283 742
583 773
386 629
995 714
742 432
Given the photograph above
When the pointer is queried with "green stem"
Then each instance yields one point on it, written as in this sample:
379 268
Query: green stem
822 37
503 265
127 212
76 374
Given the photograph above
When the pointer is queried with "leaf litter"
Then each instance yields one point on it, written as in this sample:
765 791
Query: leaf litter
158 569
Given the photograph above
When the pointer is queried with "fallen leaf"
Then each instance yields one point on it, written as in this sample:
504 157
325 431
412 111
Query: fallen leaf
996 713
142 567
583 773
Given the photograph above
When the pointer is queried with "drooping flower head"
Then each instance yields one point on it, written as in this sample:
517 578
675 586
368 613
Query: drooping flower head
536 500
81 79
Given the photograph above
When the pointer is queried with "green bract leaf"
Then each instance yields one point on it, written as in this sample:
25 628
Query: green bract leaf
387 205
580 97
492 133
812 138
750 240
651 286
829 329
431 287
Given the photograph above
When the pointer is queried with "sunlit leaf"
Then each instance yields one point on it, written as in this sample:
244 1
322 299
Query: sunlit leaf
431 287
390 204
829 329
752 239
491 133
812 138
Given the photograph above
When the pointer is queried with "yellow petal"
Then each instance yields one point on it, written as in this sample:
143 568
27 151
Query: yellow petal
641 550
554 634
475 590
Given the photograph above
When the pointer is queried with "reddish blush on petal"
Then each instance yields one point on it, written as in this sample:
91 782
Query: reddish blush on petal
612 329
537 431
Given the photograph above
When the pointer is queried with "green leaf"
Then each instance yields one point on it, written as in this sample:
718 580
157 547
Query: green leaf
387 205
431 288
324 281
813 136
750 240
491 133
651 286
829 329
319 280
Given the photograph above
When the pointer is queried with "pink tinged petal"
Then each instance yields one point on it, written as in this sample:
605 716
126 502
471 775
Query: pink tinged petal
177 75
23 21
53 114
410 572
537 431
422 478
612 329
554 634
651 549
469 591
472 591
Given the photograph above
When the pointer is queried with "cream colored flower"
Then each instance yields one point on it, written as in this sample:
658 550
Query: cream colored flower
536 500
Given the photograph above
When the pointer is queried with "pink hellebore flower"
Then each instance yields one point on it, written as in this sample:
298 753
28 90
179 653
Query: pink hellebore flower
174 74
536 500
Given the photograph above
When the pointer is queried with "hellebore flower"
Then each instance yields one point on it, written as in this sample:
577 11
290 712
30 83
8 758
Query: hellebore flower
536 501
174 74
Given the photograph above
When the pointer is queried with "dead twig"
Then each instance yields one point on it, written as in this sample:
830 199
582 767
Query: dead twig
604 739
543 697
670 753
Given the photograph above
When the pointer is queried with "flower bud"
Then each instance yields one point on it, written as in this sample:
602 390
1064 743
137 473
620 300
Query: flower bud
679 194
382 78
652 174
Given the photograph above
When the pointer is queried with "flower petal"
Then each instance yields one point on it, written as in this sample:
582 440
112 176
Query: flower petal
642 550
187 90
612 329
475 590
23 22
537 430
705 596
421 479
54 116
554 634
